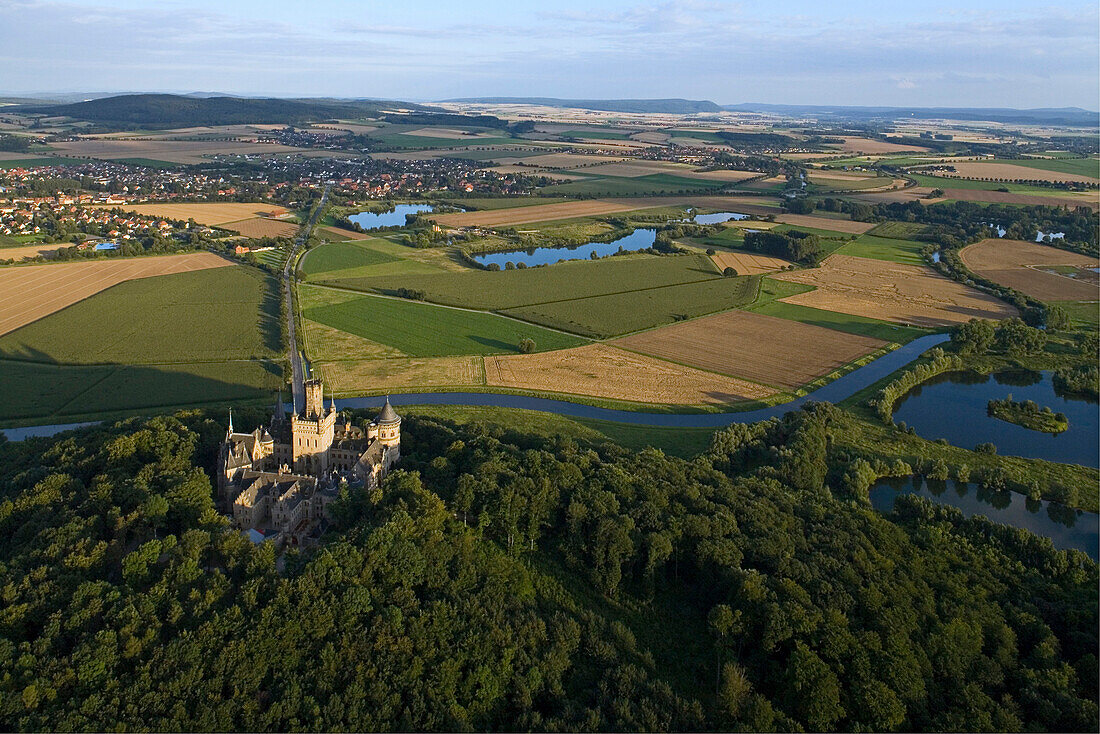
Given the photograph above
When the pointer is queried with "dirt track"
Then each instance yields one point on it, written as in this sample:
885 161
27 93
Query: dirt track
31 292
764 349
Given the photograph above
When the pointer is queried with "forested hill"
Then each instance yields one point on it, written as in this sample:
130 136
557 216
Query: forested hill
667 106
173 110
514 582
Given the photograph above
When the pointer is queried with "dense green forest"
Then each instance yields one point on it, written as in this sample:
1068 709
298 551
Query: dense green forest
173 110
501 580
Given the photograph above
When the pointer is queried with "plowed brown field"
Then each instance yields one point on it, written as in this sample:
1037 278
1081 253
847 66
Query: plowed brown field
602 371
1019 265
763 349
836 225
34 291
261 227
906 294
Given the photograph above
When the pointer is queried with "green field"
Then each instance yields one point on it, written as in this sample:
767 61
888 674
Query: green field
1075 166
503 203
839 321
1087 313
492 155
899 230
885 248
486 290
621 313
147 162
658 183
50 393
938 182
206 315
342 256
24 162
424 330
588 133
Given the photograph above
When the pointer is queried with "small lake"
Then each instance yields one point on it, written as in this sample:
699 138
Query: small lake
639 239
1066 527
396 218
718 217
953 406
1047 236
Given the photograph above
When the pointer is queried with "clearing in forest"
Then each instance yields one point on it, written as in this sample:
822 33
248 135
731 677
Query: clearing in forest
763 349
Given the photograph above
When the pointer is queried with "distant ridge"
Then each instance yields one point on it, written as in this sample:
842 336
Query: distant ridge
668 106
1075 116
175 110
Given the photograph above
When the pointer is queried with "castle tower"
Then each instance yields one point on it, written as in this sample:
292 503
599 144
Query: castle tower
312 432
315 401
388 426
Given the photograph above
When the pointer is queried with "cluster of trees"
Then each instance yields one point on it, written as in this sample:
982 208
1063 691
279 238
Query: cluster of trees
1011 336
14 143
792 245
508 581
939 362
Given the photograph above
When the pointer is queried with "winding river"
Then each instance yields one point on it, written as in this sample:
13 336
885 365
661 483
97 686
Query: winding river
834 392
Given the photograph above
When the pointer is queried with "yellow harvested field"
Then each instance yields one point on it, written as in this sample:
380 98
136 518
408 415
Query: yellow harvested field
721 175
540 213
866 145
338 234
742 204
34 291
599 370
20 253
570 160
1020 265
637 168
747 263
172 151
212 213
261 227
526 171
905 294
764 349
836 225
374 375
1008 171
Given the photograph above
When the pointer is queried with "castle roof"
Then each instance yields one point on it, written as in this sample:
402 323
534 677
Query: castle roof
387 414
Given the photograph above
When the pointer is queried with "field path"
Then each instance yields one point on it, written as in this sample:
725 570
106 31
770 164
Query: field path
31 292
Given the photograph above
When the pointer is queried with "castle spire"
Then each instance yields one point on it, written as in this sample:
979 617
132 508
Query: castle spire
230 421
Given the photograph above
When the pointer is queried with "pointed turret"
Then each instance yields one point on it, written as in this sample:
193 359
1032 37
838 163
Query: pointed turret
230 432
387 414
332 403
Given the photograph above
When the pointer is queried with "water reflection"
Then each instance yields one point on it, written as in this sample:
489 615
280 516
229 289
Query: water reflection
1066 527
395 218
954 407
639 239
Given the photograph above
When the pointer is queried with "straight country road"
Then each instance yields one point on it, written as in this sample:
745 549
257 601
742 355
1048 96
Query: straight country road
297 370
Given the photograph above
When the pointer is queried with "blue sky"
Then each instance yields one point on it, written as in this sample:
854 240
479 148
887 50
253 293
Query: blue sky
922 53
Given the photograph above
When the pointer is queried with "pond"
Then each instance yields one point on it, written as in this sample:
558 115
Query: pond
1066 527
718 217
395 218
639 239
953 406
1048 236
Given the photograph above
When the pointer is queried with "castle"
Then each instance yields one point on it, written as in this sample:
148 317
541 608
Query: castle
277 481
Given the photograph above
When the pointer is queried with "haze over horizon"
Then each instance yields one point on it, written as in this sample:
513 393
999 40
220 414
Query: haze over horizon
961 54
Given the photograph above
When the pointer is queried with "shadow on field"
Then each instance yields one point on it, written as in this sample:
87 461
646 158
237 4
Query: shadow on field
47 390
494 343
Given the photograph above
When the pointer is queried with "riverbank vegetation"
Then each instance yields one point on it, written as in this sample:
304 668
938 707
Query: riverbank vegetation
1028 414
591 587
